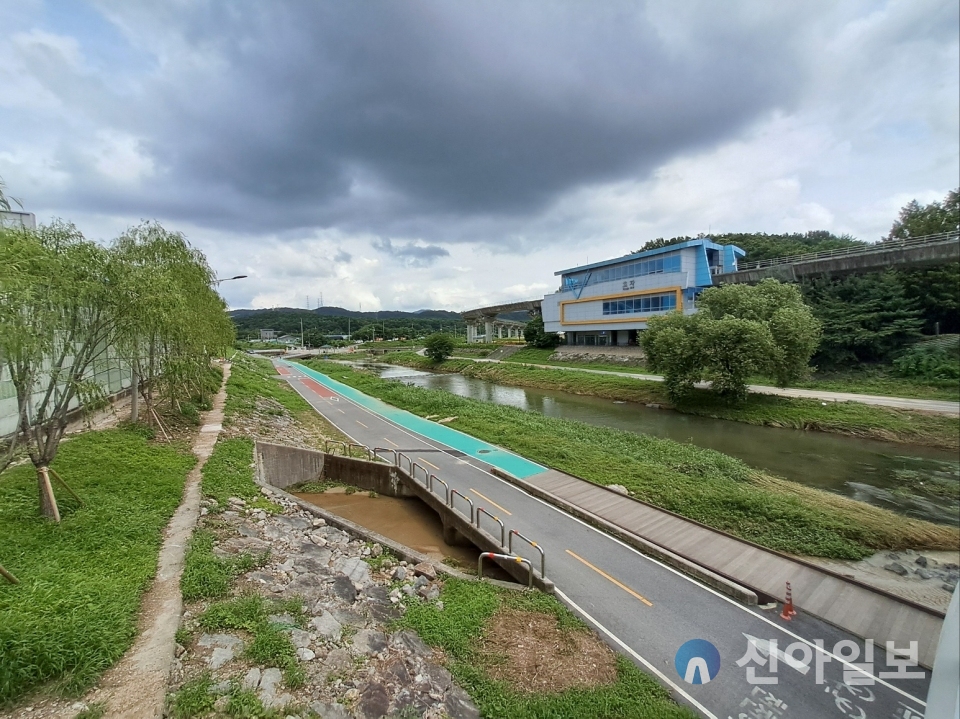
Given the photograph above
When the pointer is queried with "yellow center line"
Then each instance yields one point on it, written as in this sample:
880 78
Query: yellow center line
603 574
361 424
487 499
388 441
421 459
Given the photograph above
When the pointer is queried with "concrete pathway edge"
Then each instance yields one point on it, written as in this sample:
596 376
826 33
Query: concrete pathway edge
933 406
698 571
136 686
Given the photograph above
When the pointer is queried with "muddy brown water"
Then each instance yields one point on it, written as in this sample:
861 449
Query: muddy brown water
407 521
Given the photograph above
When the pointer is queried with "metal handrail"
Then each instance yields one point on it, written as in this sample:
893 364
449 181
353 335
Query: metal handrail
413 473
454 492
446 488
843 251
543 557
328 442
377 450
496 519
518 560
400 457
364 448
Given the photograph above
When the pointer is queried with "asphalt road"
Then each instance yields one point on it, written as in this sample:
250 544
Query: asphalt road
642 607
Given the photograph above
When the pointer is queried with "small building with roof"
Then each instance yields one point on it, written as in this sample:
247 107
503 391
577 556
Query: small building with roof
607 303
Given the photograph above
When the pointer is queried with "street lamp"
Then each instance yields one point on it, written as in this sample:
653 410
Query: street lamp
227 279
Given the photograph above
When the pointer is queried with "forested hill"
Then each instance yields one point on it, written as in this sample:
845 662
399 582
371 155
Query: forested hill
339 321
761 246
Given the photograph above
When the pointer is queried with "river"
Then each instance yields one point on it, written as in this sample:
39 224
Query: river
884 474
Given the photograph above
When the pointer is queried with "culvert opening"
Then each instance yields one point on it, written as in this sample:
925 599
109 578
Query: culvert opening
406 520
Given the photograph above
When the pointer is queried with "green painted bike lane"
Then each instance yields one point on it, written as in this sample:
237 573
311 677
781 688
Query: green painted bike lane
489 453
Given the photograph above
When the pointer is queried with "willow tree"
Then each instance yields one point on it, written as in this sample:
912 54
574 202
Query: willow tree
58 318
172 322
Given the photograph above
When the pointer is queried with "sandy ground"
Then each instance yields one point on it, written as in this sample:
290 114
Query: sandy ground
929 592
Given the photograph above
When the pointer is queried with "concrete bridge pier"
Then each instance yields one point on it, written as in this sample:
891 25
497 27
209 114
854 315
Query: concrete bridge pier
451 535
488 326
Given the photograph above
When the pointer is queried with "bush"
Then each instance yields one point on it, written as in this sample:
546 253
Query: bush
930 360
534 335
739 330
439 346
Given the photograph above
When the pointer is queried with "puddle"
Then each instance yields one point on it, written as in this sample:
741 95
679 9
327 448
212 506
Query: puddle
408 521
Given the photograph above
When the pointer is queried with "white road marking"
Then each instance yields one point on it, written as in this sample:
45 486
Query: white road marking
629 650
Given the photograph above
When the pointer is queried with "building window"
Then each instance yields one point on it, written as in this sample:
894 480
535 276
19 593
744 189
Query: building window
656 266
642 305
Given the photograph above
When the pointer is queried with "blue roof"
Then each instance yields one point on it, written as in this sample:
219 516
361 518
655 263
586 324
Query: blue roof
710 244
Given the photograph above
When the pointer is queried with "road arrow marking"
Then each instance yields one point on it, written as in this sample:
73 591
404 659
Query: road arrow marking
763 646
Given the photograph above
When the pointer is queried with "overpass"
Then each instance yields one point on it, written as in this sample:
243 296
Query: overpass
912 252
495 327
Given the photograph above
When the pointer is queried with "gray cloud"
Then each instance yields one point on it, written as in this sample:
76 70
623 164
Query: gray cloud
411 254
390 116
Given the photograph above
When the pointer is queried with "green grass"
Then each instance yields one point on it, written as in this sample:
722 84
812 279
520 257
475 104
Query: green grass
74 612
228 472
533 355
270 644
252 378
850 418
878 380
207 576
702 484
457 631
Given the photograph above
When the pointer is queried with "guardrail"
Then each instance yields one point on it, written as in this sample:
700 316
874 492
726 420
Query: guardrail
406 464
345 447
881 246
455 493
446 488
505 557
496 519
543 557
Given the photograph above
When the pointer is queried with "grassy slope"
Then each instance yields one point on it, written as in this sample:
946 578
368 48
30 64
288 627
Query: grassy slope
701 484
869 380
840 417
75 611
457 631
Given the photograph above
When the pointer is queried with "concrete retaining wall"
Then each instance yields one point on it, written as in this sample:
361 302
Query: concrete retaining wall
281 466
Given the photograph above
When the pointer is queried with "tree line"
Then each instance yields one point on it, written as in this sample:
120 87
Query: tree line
873 317
65 302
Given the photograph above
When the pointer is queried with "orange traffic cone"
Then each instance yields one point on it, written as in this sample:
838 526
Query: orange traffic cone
788 610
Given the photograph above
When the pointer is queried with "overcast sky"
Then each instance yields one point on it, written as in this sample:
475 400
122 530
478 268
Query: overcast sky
412 154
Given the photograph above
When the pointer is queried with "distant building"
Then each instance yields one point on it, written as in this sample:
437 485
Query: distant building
18 219
268 335
288 340
607 303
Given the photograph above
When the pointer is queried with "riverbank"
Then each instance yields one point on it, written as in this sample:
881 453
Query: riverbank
700 484
873 379
849 418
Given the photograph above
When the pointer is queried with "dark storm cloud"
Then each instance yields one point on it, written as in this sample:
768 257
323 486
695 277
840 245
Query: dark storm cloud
365 115
412 254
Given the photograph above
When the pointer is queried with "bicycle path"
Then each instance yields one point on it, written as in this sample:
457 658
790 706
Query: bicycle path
642 607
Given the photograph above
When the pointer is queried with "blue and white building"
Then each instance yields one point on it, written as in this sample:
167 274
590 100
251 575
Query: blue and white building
607 303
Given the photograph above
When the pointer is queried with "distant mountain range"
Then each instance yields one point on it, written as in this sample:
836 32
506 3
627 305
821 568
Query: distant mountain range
341 312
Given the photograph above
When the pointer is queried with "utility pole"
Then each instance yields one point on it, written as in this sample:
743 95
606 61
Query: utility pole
301 333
